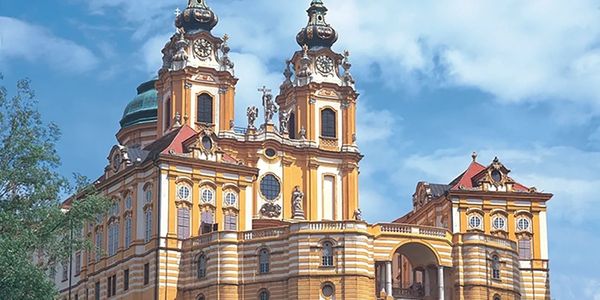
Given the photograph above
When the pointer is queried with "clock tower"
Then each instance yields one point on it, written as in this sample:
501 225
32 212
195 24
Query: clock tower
318 98
196 84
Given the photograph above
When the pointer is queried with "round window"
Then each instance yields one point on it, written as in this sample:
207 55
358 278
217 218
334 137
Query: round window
499 223
207 196
328 290
183 192
496 176
475 221
230 199
270 152
207 143
523 224
270 187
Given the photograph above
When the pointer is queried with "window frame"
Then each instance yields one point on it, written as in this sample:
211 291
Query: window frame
328 123
183 222
327 254
201 266
264 261
204 109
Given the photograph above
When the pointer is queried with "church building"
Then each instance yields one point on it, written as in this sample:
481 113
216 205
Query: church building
208 209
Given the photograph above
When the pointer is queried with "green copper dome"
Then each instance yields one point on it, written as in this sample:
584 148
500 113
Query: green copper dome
143 108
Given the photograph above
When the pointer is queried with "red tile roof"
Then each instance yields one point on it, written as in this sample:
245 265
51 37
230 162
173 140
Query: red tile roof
465 179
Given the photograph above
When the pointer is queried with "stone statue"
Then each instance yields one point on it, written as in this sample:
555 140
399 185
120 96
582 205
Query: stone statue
225 62
302 133
252 113
358 215
297 199
268 105
284 117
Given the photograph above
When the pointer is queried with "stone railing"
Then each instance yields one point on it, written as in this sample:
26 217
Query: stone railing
328 143
409 293
413 229
489 239
264 233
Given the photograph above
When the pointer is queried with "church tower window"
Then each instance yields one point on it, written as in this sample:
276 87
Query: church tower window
168 114
525 248
328 123
205 109
263 295
292 126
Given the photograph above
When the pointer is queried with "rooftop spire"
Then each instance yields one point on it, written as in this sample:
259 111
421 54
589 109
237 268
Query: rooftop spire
317 33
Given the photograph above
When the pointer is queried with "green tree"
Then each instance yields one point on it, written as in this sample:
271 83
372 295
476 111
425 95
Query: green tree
36 231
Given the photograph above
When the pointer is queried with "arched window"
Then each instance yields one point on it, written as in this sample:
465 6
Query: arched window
292 126
495 267
201 265
168 114
183 222
263 295
497 297
205 109
327 254
201 297
98 245
263 261
328 123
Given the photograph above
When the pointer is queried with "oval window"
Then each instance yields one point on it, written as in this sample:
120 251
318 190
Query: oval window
327 290
207 143
496 176
270 152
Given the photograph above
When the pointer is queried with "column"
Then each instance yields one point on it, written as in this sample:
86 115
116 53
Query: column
388 278
441 281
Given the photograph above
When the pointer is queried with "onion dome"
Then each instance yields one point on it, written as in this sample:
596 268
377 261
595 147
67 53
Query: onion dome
317 34
196 17
143 108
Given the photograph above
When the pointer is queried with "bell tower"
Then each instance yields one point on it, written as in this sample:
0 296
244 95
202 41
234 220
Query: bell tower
318 103
196 83
318 93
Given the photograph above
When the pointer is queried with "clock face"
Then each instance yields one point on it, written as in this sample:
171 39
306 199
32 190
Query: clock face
202 48
324 64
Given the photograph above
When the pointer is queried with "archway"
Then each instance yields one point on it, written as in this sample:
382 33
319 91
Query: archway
414 270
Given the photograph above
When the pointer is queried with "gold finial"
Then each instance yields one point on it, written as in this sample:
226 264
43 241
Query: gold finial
225 37
474 156
305 49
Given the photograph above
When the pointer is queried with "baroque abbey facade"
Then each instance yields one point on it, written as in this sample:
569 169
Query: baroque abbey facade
205 209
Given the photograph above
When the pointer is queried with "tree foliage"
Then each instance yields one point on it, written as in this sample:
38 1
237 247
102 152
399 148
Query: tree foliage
35 229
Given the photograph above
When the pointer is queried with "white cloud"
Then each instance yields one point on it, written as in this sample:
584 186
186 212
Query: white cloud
517 51
21 40
570 174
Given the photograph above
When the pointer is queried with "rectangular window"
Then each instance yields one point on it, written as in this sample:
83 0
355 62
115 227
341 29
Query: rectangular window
109 286
77 263
114 284
328 204
126 280
65 271
205 109
207 220
146 273
231 222
148 225
98 245
525 249
76 296
97 291
127 231
183 223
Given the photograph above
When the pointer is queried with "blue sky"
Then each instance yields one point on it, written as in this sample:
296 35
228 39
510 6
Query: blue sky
438 80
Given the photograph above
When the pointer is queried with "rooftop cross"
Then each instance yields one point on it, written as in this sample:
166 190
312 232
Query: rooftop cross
177 12
264 90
